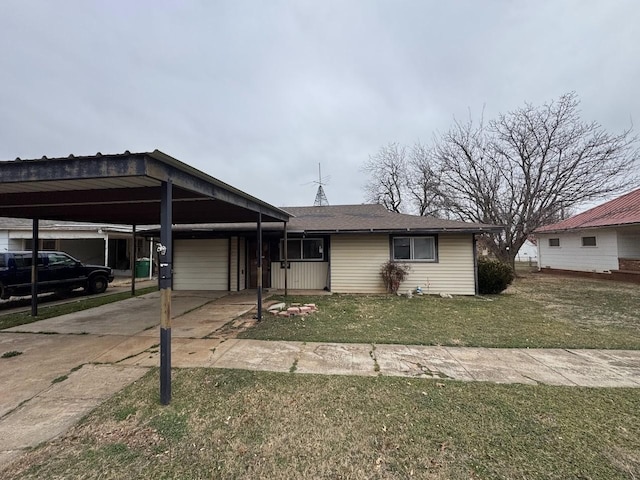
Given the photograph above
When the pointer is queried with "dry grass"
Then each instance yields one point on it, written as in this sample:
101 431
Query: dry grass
251 425
537 311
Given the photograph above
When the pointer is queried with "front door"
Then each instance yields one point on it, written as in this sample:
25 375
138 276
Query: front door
253 264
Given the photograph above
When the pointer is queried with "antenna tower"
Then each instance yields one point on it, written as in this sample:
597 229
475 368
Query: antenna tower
321 198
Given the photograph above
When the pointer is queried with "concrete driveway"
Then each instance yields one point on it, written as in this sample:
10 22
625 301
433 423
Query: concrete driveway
68 365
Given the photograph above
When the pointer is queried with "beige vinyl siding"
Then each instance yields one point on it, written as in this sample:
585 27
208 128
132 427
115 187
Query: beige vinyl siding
453 273
233 264
356 262
301 275
201 264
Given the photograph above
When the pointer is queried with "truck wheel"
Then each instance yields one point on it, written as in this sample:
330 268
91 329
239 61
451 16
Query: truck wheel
98 284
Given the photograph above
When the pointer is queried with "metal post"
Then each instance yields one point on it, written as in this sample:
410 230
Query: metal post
475 263
150 258
259 260
286 260
132 260
106 249
34 268
165 280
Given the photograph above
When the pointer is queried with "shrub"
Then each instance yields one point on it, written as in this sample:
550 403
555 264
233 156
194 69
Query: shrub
393 274
493 276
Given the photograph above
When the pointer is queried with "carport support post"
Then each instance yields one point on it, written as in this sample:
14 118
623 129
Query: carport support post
132 261
286 260
34 268
259 266
165 275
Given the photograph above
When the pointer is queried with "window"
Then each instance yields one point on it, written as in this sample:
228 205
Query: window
305 249
554 242
43 244
589 241
414 248
58 260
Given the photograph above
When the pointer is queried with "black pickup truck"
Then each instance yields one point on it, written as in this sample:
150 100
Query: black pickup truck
57 271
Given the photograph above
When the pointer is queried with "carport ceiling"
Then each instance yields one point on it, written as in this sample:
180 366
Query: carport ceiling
122 189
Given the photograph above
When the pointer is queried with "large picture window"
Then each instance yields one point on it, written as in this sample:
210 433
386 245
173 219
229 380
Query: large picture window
303 249
414 248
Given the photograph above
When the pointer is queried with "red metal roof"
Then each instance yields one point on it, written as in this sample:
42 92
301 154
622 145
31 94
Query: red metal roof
624 210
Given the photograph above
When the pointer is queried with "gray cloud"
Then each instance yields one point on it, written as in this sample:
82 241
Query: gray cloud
257 93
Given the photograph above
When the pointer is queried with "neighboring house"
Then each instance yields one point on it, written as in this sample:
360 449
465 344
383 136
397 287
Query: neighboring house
338 248
91 243
528 251
603 240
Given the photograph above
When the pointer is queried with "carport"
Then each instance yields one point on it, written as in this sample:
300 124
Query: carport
147 188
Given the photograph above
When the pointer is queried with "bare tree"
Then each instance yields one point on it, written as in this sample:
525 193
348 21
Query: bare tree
423 182
527 167
387 172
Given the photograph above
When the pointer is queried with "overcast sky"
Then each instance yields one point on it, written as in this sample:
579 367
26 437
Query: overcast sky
257 93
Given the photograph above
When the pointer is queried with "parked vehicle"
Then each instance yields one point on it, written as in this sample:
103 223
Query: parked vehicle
57 271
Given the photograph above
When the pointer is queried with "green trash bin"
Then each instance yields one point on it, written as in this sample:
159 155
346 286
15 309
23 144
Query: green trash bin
142 268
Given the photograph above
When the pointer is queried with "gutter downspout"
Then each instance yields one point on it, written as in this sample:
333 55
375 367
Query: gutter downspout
34 267
259 266
286 260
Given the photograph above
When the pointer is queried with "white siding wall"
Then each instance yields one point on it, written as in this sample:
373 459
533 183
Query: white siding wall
629 242
301 275
4 240
571 255
356 261
201 264
233 263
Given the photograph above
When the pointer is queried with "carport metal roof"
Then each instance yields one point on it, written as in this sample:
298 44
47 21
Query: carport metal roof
124 189
129 188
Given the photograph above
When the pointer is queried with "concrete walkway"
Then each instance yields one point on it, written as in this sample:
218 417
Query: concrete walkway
70 364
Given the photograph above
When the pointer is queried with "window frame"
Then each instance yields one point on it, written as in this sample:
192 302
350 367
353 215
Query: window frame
302 240
554 246
435 258
595 241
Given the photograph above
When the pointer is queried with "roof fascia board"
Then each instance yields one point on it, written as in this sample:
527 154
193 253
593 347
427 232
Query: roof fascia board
81 168
592 227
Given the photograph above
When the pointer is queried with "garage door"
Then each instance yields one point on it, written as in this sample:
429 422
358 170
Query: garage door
201 264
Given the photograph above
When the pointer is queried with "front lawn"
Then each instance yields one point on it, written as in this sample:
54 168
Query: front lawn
226 424
538 311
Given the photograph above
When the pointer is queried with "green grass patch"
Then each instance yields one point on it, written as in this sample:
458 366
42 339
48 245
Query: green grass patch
84 303
59 379
537 311
246 425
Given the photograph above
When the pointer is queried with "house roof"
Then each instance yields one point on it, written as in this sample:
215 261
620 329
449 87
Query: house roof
624 210
7 223
364 218
373 218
